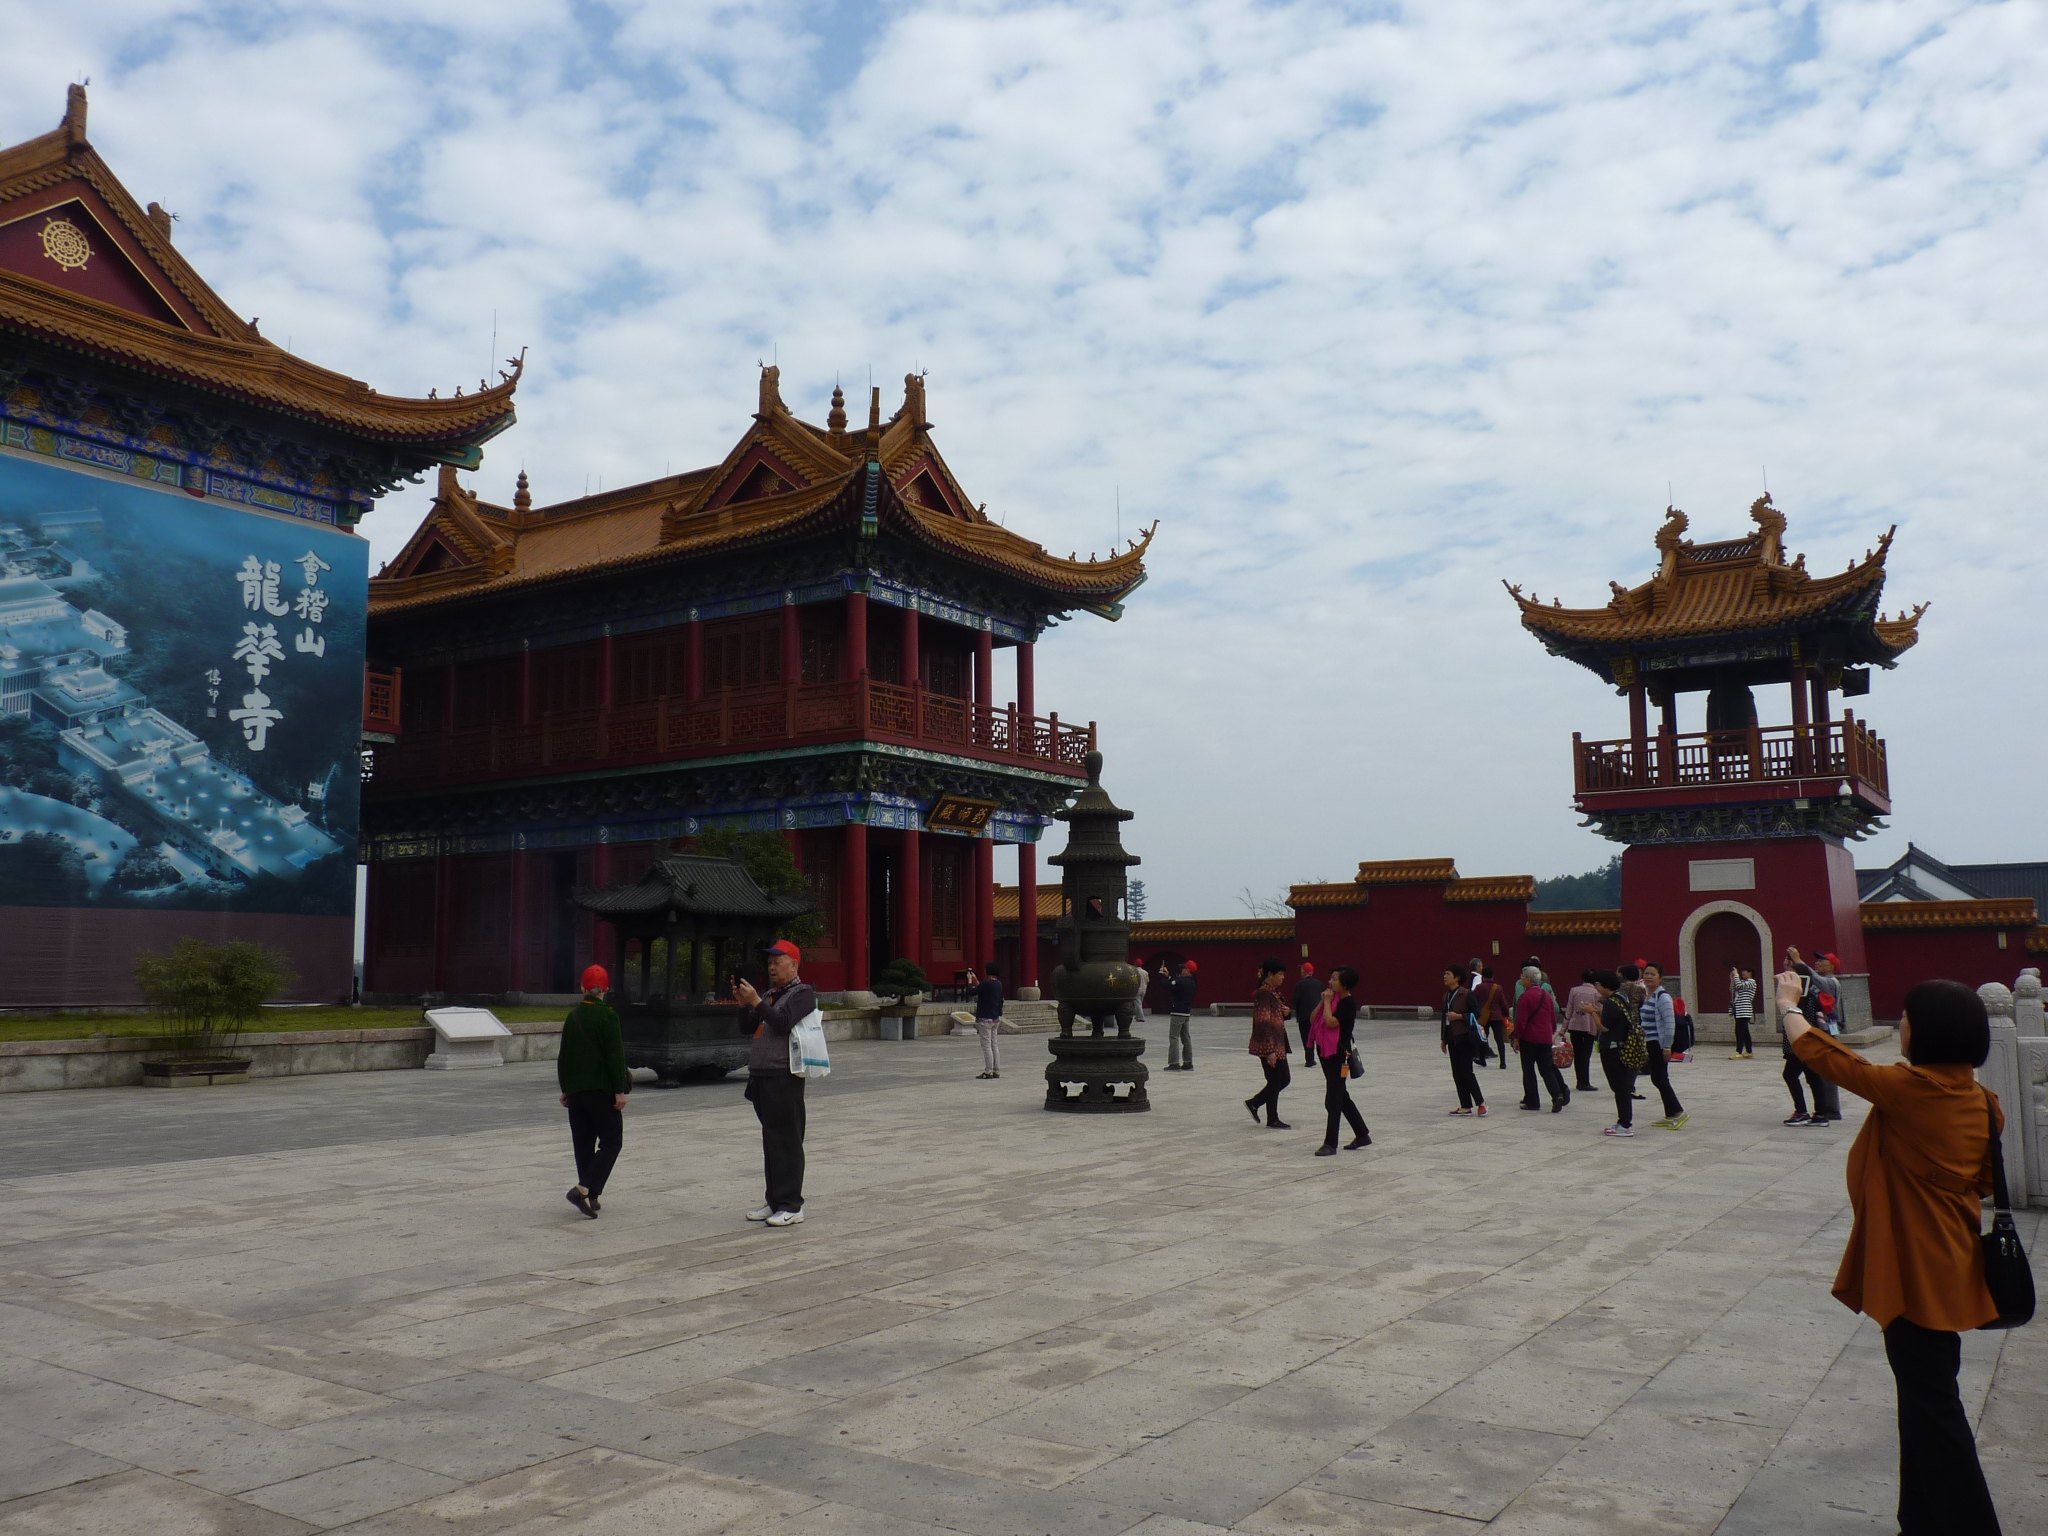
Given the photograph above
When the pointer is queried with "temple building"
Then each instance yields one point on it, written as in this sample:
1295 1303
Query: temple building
802 639
182 596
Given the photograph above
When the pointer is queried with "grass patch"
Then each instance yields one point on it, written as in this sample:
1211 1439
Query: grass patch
81 1026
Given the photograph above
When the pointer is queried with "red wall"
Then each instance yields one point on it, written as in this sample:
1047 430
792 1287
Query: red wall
1805 890
1226 972
1902 959
64 957
1404 936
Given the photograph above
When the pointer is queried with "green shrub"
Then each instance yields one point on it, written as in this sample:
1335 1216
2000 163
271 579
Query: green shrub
207 994
900 979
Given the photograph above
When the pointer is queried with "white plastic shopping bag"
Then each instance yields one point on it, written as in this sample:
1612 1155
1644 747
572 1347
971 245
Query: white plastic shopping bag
807 1054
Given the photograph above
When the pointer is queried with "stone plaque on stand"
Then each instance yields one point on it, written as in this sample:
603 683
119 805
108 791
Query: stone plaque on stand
465 1037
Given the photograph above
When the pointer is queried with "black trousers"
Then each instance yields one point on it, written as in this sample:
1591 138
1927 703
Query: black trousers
1941 1485
1536 1063
1499 1030
1462 1073
1278 1076
1743 1043
1583 1050
1622 1079
596 1128
778 1099
1658 1070
1337 1100
1826 1101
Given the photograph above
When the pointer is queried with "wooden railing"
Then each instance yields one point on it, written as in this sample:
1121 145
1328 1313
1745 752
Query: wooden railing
380 701
1845 748
734 720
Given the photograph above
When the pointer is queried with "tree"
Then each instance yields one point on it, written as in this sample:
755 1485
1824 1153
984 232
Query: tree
145 869
768 858
900 979
1594 891
1264 906
42 870
1134 902
208 993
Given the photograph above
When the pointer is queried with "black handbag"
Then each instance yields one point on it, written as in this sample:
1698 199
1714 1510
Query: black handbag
1354 1066
2007 1275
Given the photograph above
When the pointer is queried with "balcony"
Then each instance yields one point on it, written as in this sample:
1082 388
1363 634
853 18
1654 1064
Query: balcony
1762 762
739 720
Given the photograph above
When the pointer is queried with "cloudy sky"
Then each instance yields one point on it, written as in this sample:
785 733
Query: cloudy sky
1369 305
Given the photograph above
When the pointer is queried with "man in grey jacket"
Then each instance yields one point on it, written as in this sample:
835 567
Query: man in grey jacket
1660 1028
776 1093
1180 992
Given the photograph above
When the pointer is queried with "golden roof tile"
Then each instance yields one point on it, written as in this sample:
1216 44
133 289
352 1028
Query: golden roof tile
1900 916
1492 888
1005 904
1346 893
1726 587
1276 930
1407 871
1589 924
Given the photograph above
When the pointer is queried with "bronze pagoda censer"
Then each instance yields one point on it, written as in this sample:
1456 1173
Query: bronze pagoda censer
1096 1073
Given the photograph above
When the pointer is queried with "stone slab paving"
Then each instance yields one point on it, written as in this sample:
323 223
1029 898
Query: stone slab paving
374 1313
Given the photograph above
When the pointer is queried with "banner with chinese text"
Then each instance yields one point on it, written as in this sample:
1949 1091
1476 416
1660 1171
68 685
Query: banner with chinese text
180 700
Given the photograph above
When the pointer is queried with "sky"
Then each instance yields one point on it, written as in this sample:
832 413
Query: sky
1371 306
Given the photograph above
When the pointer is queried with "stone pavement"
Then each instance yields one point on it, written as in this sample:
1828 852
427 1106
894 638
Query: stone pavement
996 1321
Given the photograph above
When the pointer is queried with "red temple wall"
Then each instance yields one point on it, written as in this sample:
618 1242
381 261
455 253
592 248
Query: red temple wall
1901 959
1805 891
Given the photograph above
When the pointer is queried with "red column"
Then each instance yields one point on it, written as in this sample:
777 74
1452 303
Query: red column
693 660
910 898
1667 740
1027 681
1802 754
601 934
792 645
856 634
984 669
853 906
515 972
913 656
1027 914
1639 732
444 903
983 947
604 671
525 683
1823 756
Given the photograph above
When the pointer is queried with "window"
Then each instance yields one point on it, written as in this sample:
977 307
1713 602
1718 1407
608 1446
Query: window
565 678
424 700
650 666
743 653
945 672
487 692
822 645
818 856
946 895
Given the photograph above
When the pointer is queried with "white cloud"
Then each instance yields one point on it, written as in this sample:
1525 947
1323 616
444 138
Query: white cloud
1371 308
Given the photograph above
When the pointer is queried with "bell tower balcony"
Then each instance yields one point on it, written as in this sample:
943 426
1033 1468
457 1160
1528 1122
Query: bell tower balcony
1756 781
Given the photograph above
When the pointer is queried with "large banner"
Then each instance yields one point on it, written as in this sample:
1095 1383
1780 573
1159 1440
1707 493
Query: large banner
180 701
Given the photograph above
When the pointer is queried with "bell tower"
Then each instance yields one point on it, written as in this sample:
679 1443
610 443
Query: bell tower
1736 829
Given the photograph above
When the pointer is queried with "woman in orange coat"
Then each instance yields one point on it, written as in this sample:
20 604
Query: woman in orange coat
1918 1174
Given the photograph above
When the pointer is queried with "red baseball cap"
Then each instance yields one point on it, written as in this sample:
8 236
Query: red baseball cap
1307 969
1192 967
784 947
596 979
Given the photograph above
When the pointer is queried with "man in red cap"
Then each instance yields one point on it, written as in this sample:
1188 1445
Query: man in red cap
591 1071
776 1093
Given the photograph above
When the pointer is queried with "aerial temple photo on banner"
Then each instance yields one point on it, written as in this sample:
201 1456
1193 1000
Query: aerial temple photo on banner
179 692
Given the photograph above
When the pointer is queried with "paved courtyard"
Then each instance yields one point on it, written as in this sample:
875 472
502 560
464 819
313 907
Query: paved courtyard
376 1313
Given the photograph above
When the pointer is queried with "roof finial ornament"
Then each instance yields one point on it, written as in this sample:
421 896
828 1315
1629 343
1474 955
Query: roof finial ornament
835 419
522 495
74 111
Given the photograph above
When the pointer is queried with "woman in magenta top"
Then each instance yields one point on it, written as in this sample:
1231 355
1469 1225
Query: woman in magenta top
1535 1034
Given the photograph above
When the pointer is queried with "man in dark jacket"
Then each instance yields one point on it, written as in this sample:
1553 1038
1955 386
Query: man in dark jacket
1180 993
777 1093
988 1020
1308 992
591 1071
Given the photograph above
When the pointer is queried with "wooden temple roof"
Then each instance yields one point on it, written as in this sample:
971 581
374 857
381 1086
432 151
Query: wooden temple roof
85 269
783 479
1727 589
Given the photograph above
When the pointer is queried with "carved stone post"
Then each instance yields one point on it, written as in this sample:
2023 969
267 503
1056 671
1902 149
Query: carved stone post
2001 1074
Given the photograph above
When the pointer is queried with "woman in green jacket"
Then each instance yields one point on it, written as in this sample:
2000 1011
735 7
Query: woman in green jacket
592 1072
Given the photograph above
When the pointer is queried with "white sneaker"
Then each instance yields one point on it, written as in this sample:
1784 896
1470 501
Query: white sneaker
785 1218
1618 1130
761 1213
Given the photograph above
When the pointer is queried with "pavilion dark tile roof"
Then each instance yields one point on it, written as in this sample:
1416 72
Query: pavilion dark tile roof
694 886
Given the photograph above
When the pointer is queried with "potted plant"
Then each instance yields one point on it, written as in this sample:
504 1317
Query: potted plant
901 987
207 995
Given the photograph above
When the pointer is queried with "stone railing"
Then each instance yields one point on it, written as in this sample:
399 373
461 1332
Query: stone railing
2017 1071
